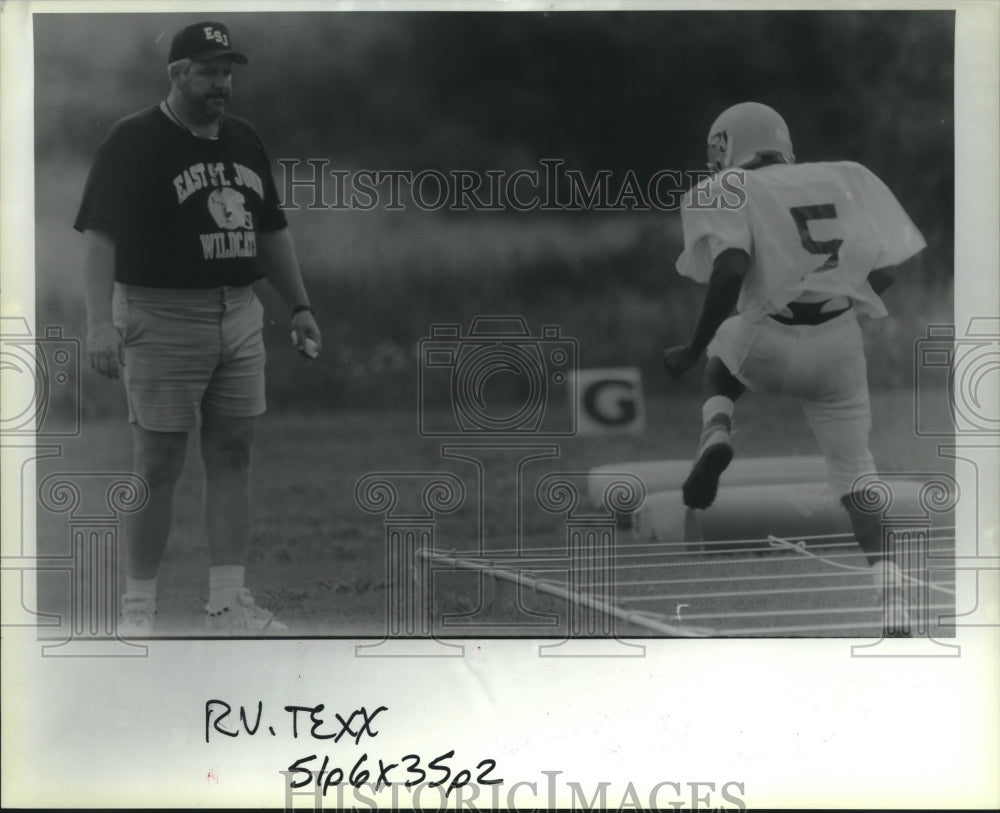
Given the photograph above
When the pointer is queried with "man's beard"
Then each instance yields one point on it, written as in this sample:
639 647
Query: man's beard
212 108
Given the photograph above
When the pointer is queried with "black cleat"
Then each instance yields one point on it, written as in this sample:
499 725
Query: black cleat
714 457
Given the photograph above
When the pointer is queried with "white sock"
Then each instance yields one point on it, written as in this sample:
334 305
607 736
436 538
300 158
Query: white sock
716 405
141 587
224 583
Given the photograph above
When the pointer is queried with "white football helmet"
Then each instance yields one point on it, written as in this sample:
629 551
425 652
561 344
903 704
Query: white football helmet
744 132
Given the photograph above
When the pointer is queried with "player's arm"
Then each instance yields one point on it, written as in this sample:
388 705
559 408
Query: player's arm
728 272
105 348
277 253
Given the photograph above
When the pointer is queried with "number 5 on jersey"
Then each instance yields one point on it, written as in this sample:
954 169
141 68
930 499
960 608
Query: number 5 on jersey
823 211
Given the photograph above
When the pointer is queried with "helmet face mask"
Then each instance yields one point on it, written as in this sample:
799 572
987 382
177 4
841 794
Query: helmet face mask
744 133
719 153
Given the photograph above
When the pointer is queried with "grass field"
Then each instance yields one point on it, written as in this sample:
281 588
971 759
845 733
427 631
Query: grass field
319 561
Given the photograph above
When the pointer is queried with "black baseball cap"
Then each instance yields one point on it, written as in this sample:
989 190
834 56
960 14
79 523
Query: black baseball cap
203 41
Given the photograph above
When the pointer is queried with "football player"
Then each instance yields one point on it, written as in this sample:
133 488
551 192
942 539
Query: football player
800 251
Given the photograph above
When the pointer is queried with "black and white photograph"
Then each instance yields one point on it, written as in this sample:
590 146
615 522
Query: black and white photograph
515 405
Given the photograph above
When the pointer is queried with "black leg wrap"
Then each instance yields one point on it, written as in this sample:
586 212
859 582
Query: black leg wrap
717 380
867 527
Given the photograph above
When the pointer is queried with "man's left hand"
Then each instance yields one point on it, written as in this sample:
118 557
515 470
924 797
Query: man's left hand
678 360
307 339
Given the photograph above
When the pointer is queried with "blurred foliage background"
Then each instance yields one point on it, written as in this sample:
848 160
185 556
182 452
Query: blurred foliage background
501 91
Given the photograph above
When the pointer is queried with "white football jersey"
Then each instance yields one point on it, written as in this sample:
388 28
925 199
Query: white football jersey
812 231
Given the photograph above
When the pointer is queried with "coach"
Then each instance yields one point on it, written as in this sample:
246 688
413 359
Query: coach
181 216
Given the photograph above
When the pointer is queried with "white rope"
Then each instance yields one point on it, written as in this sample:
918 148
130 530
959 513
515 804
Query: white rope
742 578
718 563
796 629
703 559
526 564
865 584
800 547
830 588
795 613
523 561
936 533
639 617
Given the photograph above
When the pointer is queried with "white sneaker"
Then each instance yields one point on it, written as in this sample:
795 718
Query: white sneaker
891 598
246 618
136 619
715 452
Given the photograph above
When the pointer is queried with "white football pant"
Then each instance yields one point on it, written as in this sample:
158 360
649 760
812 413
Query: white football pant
823 366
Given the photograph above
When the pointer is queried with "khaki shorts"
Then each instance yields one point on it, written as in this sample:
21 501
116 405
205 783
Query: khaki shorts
188 351
823 366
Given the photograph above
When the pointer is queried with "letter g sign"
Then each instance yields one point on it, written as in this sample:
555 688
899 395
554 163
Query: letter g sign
610 401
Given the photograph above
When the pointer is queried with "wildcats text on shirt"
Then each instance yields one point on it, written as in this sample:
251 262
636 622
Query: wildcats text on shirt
224 245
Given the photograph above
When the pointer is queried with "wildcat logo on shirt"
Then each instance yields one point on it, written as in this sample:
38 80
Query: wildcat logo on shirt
226 208
239 239
226 205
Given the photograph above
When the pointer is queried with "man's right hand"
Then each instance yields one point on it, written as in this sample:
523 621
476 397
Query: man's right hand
106 349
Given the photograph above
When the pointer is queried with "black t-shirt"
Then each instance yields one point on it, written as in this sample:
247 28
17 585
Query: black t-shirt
183 211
